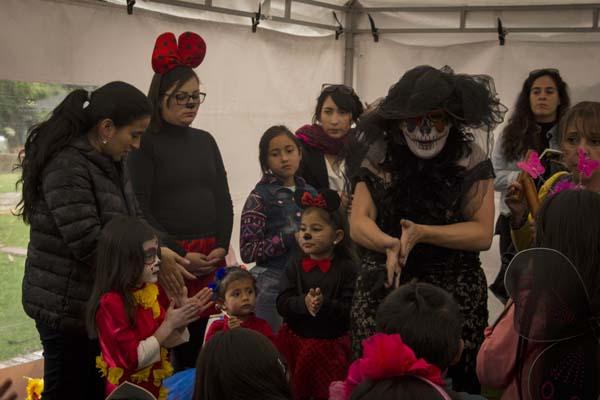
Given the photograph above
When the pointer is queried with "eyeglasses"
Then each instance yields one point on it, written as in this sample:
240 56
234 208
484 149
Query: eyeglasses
151 255
333 87
183 98
437 118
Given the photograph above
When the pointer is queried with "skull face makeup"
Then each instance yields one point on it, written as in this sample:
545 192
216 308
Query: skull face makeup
426 136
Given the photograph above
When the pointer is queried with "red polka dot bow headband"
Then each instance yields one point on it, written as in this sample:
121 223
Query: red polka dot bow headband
168 54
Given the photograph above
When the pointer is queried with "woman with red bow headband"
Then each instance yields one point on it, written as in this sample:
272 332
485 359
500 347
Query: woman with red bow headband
179 177
315 301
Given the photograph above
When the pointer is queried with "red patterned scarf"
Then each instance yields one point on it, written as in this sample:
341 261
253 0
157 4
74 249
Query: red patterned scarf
314 136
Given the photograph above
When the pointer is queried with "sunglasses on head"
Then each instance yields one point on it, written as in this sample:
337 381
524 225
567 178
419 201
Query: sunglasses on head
332 87
437 119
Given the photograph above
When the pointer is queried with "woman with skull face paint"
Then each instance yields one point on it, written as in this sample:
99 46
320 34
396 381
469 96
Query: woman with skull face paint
179 177
423 205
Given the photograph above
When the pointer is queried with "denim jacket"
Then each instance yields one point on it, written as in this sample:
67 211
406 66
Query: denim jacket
269 222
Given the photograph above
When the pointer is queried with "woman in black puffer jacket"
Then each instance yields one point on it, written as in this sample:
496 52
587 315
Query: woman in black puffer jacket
74 182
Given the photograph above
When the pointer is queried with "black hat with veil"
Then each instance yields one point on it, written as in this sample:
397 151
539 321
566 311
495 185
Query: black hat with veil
451 186
470 102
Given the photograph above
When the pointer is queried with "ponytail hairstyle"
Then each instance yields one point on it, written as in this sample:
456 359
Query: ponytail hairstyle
76 115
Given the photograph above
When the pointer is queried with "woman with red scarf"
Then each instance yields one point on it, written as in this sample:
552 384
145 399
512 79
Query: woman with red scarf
330 151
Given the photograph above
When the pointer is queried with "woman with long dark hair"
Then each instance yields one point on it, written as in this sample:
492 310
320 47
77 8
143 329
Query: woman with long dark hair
533 125
74 182
331 153
179 177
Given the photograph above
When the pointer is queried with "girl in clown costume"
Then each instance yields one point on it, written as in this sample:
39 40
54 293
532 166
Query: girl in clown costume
134 330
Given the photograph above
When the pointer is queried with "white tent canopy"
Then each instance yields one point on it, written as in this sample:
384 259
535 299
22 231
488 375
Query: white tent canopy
273 76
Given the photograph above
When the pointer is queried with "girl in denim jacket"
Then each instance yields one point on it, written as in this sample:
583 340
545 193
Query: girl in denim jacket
271 217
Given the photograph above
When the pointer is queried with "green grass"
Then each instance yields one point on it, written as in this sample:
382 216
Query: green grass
7 182
13 231
17 331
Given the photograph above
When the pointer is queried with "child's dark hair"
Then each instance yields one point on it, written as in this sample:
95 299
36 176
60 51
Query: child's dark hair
402 387
428 320
225 276
120 102
172 80
265 141
569 222
119 264
240 364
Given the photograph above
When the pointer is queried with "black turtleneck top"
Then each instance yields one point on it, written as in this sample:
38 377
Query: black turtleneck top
181 184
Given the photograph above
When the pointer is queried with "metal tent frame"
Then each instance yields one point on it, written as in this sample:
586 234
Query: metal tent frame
353 11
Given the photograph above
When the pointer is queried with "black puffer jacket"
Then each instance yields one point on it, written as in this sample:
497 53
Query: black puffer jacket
82 190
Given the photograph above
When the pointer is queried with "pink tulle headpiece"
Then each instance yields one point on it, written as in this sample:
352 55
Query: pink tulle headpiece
386 356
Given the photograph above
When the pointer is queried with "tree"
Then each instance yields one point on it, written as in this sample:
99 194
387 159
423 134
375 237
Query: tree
21 106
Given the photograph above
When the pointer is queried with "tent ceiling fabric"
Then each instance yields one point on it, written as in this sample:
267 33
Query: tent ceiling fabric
468 3
575 21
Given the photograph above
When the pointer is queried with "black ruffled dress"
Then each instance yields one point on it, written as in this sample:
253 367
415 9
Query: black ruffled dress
432 192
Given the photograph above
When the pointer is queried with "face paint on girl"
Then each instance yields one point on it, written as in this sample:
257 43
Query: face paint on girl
151 262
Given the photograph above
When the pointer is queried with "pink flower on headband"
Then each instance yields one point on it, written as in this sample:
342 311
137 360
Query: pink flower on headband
585 165
533 165
386 356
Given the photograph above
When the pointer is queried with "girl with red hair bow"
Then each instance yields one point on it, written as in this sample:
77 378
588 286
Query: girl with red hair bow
315 300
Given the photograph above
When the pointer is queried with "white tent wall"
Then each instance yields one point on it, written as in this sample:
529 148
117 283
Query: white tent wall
252 81
379 65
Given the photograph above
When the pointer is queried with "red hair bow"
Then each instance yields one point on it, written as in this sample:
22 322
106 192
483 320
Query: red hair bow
308 200
167 55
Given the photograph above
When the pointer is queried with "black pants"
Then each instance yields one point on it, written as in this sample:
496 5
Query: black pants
69 365
184 356
507 252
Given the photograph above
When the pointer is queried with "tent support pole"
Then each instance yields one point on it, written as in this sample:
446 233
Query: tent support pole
349 47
